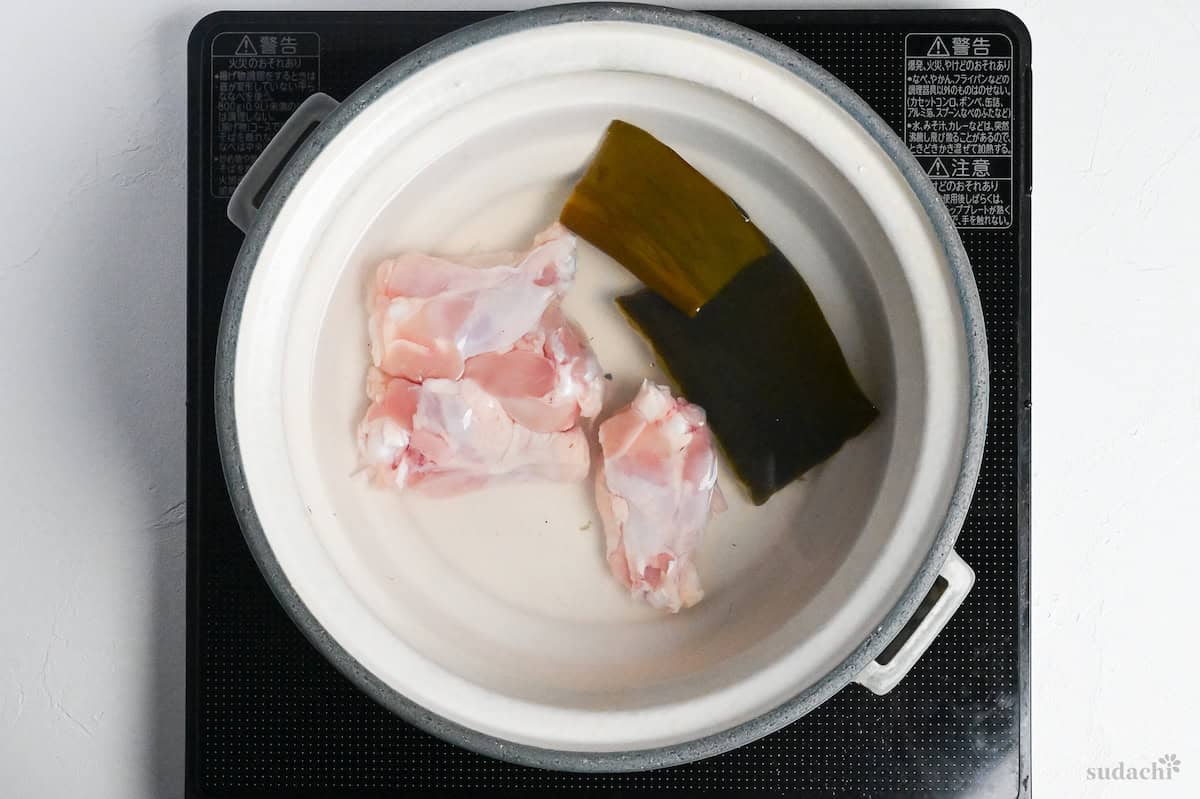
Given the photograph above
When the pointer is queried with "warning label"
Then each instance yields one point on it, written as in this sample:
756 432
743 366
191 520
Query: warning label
958 121
258 79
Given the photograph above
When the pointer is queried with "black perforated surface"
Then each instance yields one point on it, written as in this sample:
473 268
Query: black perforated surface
268 715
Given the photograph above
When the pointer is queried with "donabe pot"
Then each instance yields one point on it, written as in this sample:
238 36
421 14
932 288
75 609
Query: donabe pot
490 619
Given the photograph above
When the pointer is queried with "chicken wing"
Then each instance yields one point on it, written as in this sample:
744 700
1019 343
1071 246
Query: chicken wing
656 492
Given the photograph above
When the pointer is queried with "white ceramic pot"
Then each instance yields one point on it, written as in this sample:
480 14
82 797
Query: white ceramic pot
491 619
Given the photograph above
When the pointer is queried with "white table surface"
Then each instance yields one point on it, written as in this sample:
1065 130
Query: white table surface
92 353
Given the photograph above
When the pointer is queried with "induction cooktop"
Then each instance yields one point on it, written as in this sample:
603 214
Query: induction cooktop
268 716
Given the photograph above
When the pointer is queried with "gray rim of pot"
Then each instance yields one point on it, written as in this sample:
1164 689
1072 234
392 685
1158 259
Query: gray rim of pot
865 652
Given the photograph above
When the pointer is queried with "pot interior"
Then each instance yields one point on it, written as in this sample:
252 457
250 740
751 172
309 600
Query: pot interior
496 609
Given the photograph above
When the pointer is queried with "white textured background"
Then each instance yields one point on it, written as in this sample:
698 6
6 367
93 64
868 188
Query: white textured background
92 226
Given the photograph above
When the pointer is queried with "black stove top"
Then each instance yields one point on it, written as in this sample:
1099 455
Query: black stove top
267 715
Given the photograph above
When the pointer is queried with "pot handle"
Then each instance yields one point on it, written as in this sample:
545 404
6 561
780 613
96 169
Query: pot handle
897 659
248 197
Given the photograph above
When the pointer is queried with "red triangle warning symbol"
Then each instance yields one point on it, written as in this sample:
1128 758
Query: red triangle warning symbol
245 47
938 170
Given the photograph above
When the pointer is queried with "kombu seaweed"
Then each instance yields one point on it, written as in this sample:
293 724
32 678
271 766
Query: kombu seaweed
732 321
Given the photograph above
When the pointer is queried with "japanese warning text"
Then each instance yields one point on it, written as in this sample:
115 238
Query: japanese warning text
258 79
958 121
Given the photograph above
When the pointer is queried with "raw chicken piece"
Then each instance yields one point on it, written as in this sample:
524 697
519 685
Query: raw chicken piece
548 380
478 374
428 314
444 437
656 492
